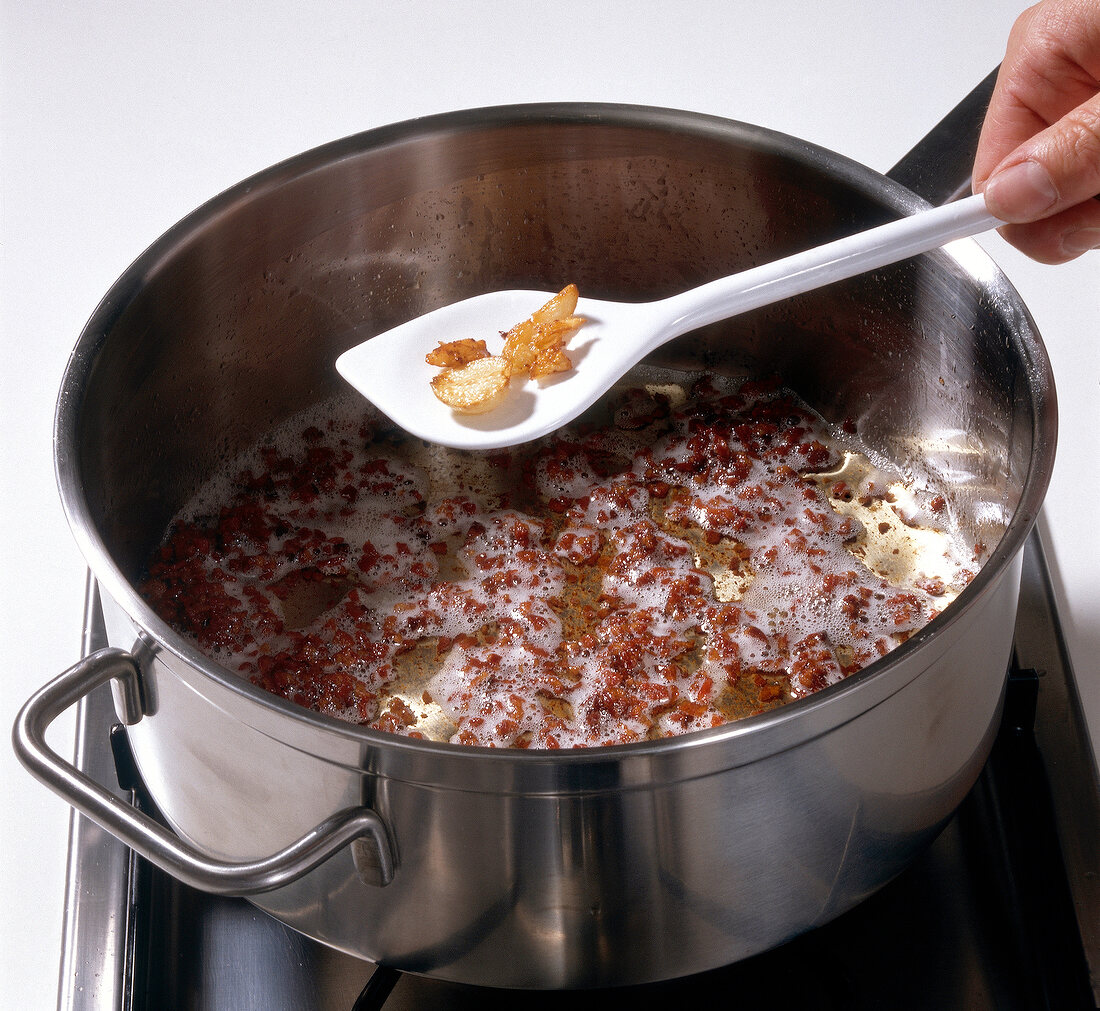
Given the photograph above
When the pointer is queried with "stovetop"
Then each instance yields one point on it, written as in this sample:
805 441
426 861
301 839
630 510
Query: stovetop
1002 911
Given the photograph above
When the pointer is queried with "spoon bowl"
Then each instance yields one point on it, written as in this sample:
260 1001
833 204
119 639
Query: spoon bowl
390 370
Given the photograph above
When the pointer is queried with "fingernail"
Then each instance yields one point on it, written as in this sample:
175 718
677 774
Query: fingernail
1081 241
1021 192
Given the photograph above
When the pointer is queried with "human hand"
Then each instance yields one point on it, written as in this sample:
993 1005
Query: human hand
1038 159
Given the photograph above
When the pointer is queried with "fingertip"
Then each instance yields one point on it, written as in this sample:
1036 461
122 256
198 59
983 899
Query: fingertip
1040 248
1021 192
1081 240
1060 238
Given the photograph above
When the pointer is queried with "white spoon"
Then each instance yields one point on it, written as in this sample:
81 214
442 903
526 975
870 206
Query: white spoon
390 371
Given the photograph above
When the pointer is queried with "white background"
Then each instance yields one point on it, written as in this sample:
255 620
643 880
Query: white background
119 118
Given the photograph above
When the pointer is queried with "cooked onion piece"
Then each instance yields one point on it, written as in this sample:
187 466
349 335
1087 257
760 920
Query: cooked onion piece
455 354
474 388
563 304
529 340
548 362
536 347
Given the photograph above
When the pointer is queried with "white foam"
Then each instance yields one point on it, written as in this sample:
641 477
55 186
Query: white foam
808 597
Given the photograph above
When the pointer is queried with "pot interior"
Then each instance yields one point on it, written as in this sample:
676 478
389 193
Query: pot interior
232 322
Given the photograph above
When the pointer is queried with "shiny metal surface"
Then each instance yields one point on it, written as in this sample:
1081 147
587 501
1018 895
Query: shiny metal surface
1068 756
97 942
592 868
197 952
938 167
161 847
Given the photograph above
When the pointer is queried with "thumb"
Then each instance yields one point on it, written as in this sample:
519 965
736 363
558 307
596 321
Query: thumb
1054 170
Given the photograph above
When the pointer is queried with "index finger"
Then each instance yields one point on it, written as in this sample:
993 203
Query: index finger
1051 68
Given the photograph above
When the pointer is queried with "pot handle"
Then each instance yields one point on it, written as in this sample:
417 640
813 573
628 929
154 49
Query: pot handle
938 167
145 836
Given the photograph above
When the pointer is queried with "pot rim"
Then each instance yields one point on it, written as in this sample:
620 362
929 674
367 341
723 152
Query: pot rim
828 706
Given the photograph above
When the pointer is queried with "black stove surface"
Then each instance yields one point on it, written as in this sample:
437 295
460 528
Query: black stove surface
1001 912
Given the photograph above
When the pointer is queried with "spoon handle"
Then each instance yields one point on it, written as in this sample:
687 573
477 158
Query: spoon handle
834 261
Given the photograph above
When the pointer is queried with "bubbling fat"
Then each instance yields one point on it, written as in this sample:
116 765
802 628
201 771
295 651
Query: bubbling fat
705 553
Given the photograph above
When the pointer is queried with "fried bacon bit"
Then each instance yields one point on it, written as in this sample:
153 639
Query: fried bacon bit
932 585
473 381
455 354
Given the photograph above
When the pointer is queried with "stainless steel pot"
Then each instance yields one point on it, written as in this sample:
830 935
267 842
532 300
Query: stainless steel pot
536 869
